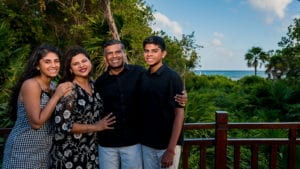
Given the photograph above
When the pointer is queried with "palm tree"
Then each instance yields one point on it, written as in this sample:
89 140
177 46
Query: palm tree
256 57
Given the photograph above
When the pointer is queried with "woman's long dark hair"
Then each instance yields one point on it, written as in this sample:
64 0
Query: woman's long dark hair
67 75
30 71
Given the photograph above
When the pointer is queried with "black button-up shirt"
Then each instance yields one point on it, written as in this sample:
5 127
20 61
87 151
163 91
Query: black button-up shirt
119 93
158 105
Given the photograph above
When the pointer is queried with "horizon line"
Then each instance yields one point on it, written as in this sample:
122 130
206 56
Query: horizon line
225 70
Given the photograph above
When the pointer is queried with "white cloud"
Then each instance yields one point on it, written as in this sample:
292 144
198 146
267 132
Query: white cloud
271 7
218 35
222 59
162 22
226 53
217 40
269 19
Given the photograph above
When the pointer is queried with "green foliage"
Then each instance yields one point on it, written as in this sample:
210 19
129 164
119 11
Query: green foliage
12 58
277 66
7 41
250 99
291 49
181 54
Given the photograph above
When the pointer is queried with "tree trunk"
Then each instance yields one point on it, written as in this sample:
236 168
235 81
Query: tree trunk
255 66
110 20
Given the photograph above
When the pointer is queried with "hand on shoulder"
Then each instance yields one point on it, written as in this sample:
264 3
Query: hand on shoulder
64 89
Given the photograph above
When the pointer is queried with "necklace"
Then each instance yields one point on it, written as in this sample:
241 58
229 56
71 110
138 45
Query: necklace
42 85
85 86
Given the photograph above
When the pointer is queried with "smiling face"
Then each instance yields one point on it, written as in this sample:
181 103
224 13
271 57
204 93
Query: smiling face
80 66
49 65
153 56
114 56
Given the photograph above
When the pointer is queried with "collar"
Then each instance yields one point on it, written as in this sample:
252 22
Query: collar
159 71
126 68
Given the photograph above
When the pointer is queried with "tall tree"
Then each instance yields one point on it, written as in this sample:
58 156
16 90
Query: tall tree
291 49
256 57
110 19
276 66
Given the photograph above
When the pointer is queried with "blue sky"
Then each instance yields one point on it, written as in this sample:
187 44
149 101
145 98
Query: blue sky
226 28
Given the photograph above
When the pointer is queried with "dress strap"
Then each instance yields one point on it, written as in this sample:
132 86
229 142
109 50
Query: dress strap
41 87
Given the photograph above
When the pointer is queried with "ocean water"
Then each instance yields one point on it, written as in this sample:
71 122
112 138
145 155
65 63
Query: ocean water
232 74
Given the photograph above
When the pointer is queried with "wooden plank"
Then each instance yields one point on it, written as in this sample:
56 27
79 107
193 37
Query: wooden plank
254 156
273 156
237 156
203 156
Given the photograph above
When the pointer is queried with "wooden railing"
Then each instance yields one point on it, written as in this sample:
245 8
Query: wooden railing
220 143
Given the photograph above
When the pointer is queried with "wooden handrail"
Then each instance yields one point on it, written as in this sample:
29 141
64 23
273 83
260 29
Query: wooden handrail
221 142
246 125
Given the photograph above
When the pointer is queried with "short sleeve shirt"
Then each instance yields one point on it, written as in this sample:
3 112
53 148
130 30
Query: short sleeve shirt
157 104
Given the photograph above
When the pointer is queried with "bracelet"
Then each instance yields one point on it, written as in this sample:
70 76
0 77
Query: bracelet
171 151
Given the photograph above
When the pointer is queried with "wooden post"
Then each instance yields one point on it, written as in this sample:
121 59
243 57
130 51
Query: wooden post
292 149
221 139
237 156
186 151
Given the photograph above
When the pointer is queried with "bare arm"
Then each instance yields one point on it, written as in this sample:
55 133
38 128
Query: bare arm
30 95
102 124
167 159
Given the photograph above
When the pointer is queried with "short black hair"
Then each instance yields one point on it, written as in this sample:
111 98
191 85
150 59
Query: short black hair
155 40
113 42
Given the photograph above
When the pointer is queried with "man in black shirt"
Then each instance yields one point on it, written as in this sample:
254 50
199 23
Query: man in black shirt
163 117
120 148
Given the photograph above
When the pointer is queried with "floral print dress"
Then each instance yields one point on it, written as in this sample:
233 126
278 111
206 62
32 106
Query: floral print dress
78 151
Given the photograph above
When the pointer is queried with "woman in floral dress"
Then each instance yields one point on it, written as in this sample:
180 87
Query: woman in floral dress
77 117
